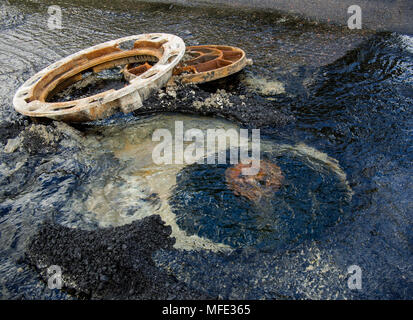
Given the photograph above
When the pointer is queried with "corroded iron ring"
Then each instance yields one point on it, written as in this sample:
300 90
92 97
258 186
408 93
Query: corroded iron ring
165 50
202 64
211 62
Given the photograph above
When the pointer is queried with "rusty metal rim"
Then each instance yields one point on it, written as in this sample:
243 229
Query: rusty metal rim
218 73
231 67
30 97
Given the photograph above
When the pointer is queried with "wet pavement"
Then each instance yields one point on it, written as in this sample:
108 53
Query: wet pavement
343 94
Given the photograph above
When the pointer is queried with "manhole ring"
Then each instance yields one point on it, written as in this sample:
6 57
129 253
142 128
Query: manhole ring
202 64
167 49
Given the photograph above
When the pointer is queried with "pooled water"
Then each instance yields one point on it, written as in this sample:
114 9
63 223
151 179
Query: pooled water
134 187
313 196
350 92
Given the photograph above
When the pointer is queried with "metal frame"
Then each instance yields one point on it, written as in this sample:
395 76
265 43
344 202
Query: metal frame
167 49
206 63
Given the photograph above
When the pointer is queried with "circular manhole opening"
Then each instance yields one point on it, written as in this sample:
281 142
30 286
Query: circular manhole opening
289 201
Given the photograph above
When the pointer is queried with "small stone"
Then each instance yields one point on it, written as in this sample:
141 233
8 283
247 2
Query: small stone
12 145
103 277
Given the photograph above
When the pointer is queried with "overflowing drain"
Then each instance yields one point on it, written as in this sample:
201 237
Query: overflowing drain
298 193
128 185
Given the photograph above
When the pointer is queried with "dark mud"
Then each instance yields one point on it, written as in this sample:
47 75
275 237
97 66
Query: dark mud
113 263
10 130
246 108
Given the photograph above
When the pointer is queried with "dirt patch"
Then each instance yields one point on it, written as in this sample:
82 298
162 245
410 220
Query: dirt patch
110 263
246 108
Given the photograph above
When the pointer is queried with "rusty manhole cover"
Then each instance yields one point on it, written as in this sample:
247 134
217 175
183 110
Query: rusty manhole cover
201 64
254 187
165 51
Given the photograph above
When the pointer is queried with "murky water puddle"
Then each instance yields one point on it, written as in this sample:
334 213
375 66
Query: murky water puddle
315 187
314 194
346 158
138 187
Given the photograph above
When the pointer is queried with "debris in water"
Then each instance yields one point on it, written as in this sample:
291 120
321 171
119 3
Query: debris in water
264 86
253 187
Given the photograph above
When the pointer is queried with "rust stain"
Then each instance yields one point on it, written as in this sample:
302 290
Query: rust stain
265 183
203 64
